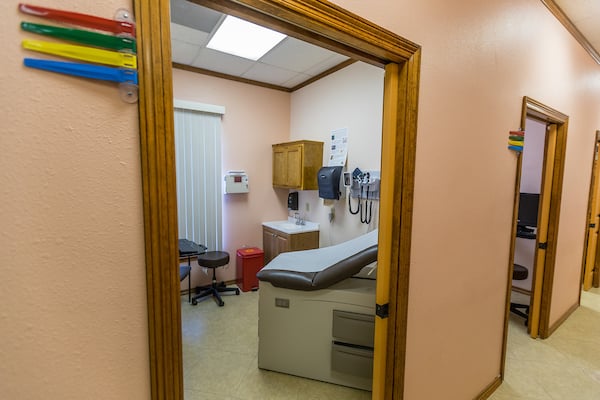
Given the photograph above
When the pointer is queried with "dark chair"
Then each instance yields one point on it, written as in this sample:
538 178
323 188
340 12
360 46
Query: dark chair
184 272
520 273
213 260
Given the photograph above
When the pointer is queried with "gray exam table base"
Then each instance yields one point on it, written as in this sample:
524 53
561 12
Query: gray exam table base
295 332
320 333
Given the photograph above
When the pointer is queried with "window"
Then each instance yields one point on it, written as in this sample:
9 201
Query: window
199 177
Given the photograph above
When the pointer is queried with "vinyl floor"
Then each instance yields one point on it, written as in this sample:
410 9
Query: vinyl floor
220 358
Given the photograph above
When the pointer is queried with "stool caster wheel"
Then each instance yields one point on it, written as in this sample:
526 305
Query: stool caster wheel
237 292
194 302
221 303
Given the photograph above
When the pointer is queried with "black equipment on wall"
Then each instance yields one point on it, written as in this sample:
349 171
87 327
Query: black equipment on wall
328 179
293 201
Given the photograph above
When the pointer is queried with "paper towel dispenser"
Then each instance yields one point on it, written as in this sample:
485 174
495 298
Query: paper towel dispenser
328 179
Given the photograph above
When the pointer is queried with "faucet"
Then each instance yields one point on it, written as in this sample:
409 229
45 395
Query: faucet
299 219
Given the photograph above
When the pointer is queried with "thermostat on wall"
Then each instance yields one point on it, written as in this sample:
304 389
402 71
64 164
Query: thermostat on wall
236 182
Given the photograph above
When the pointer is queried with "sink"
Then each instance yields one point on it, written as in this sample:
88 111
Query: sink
288 226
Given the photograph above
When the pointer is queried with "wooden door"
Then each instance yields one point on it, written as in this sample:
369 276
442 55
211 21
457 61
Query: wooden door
593 222
323 23
542 232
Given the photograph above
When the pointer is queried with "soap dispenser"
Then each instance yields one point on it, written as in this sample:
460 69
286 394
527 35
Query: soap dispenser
293 201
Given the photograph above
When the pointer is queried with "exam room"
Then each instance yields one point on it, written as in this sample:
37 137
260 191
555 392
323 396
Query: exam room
349 99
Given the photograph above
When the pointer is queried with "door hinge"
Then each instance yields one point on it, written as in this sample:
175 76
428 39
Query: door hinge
382 310
592 225
543 245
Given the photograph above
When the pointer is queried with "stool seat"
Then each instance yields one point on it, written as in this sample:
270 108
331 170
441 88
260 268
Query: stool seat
213 259
519 272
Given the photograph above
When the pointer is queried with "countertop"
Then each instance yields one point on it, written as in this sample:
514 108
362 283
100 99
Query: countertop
289 226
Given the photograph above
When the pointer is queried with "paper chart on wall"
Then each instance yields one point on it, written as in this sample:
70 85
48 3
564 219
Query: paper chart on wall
339 147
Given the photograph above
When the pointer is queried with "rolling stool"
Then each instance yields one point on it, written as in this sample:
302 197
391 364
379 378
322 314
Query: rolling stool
520 273
213 260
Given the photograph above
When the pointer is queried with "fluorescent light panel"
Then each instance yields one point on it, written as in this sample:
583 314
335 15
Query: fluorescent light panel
244 39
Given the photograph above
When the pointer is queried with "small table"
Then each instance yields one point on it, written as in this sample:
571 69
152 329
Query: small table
189 249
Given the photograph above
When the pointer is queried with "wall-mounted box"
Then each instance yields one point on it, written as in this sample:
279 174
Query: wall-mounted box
236 182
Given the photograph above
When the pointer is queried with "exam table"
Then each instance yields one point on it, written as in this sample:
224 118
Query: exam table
317 313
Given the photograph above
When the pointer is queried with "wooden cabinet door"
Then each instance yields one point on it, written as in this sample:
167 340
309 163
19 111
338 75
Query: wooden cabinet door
294 166
267 245
281 244
274 242
280 166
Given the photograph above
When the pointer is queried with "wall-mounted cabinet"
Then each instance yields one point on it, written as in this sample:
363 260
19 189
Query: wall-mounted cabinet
295 164
275 242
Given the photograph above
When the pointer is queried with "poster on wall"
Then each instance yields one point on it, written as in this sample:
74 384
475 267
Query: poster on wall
339 147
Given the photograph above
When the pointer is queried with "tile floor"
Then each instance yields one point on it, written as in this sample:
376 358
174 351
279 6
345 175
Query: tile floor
220 358
220 347
563 367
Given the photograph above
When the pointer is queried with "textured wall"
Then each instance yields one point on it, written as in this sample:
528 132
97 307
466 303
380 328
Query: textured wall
352 98
479 60
73 319
73 316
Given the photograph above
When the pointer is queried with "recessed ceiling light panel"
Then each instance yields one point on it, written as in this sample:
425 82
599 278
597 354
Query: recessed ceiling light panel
244 39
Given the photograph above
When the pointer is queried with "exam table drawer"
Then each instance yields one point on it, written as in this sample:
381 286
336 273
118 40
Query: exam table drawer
355 361
353 328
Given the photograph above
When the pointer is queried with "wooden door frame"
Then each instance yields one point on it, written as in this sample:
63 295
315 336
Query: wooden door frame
327 25
534 109
593 178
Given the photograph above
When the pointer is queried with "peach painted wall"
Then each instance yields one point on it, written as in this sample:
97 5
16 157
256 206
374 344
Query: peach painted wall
479 59
254 119
352 98
73 321
64 140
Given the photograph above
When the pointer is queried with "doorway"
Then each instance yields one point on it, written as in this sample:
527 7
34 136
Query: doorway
541 238
326 25
530 188
590 275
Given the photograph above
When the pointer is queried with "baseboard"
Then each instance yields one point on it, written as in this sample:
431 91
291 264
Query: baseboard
520 290
491 388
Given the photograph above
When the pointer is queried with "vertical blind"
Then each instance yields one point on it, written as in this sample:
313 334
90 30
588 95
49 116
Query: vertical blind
198 165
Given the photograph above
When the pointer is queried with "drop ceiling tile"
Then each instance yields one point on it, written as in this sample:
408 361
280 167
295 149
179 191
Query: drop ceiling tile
192 15
269 74
295 55
188 35
221 62
183 53
330 62
296 80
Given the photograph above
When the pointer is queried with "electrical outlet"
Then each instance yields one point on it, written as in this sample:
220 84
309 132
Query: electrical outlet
307 206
